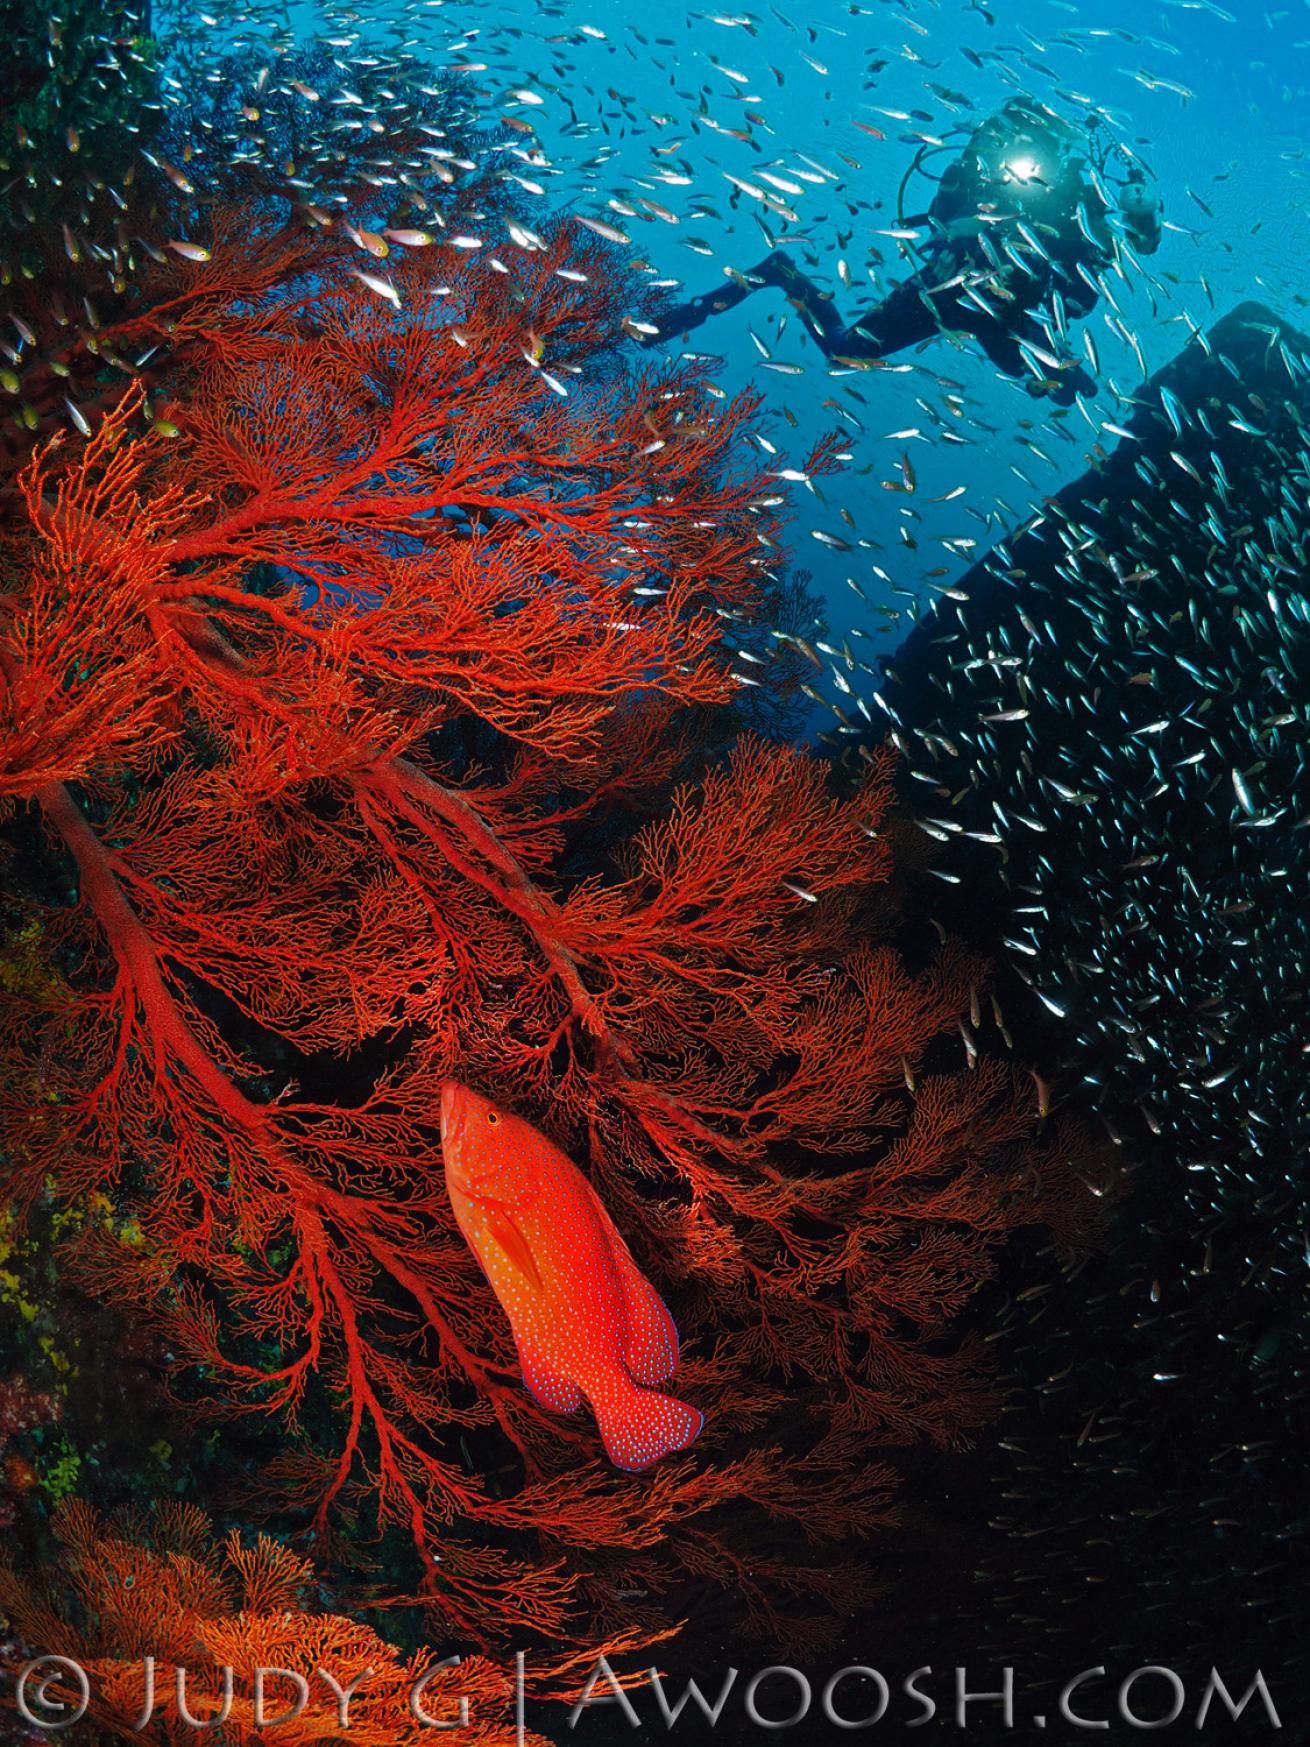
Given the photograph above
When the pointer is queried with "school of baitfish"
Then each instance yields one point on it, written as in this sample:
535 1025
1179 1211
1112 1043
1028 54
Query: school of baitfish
1107 722
1117 703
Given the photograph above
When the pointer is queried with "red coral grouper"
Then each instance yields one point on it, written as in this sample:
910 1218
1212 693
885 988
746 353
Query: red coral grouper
585 1320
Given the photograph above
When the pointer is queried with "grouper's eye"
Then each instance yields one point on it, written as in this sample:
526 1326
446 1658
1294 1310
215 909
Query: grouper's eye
492 1118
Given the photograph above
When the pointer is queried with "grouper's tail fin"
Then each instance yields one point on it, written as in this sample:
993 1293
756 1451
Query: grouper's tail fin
638 1426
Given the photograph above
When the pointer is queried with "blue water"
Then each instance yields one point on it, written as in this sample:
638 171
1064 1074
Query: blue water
632 101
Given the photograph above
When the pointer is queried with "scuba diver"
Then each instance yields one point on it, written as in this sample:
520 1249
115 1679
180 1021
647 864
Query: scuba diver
1019 229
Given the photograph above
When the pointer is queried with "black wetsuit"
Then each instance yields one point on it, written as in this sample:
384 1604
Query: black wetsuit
955 290
1004 248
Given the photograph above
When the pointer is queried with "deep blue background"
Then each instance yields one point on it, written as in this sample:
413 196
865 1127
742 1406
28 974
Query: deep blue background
634 106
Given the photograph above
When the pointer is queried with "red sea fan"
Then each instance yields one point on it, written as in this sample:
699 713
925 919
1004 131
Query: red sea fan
327 704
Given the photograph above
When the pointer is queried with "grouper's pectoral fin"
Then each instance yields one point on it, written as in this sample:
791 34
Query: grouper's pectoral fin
507 1237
